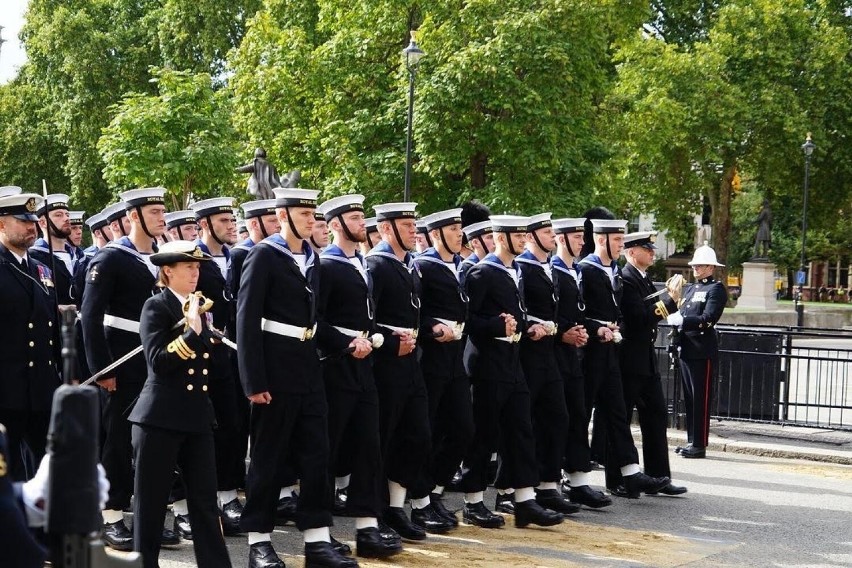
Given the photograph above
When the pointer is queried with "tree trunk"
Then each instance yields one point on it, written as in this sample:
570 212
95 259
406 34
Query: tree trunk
720 202
478 162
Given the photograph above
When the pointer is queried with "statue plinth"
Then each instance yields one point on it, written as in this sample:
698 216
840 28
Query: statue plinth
758 286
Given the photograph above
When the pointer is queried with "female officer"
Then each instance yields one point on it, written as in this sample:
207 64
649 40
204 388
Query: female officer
173 418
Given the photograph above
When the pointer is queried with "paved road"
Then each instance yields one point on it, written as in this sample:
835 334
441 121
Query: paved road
740 511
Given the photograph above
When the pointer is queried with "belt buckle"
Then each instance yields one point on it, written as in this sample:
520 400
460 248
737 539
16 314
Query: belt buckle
458 330
308 334
516 337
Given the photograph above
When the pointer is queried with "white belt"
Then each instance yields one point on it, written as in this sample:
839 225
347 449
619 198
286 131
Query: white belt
352 332
121 323
514 338
457 327
400 330
287 330
548 325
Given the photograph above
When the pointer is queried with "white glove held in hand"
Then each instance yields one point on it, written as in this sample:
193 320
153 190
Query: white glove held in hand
675 319
34 491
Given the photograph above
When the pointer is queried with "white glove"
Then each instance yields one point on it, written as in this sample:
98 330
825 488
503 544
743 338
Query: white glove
675 319
103 487
34 492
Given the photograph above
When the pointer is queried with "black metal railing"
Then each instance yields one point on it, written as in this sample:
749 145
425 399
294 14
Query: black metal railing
771 374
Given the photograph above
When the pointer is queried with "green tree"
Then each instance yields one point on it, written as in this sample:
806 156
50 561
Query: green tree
180 138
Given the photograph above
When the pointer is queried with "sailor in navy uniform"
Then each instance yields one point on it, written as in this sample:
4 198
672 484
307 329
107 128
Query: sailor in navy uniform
75 239
172 422
120 278
373 236
119 222
182 225
422 241
403 403
601 289
642 309
219 232
345 309
698 347
572 338
443 314
481 241
55 224
281 375
501 398
538 360
319 234
30 350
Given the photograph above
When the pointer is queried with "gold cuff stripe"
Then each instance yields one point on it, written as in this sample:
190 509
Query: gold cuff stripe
661 310
180 347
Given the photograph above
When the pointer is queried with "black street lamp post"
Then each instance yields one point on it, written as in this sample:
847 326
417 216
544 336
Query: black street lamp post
808 149
412 54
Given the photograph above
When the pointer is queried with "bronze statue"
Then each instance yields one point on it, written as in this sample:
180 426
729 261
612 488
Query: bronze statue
264 177
763 239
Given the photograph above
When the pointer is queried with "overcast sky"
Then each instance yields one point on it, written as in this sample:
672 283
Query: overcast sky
11 52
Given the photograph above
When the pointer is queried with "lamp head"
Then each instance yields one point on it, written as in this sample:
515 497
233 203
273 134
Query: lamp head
412 53
808 147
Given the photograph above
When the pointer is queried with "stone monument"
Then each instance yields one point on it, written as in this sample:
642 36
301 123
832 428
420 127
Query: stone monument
758 289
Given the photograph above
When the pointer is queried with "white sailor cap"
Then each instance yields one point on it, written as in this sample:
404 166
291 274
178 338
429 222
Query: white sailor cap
421 227
115 211
477 229
178 251
603 226
213 206
144 196
569 225
539 221
258 208
372 225
76 217
340 205
509 223
179 218
295 197
442 219
97 221
7 190
399 210
645 239
54 201
21 206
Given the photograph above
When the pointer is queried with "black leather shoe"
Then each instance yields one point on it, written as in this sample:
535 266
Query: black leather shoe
693 453
323 554
182 527
286 510
262 555
531 513
370 543
231 513
341 547
552 499
455 482
479 515
620 491
437 503
592 498
117 536
641 483
505 503
169 538
669 490
396 519
430 520
387 533
340 496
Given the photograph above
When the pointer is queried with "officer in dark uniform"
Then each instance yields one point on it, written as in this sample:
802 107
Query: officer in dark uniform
538 360
345 309
182 225
443 314
55 224
642 308
501 398
403 403
121 277
700 310
572 339
219 232
30 350
280 372
173 418
601 289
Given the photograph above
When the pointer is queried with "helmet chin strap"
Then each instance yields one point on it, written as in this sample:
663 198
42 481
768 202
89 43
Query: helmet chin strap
538 242
121 227
53 230
482 242
292 226
608 250
346 230
212 231
510 244
141 222
444 242
396 234
569 247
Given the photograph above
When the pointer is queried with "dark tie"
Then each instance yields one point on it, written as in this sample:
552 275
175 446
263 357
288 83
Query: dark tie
24 266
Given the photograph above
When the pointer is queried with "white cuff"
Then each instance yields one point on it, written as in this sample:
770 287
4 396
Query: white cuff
675 319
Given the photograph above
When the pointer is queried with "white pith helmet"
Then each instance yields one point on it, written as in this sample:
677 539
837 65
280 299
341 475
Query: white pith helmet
704 255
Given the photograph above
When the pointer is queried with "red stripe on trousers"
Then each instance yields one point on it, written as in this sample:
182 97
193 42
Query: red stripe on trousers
705 428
